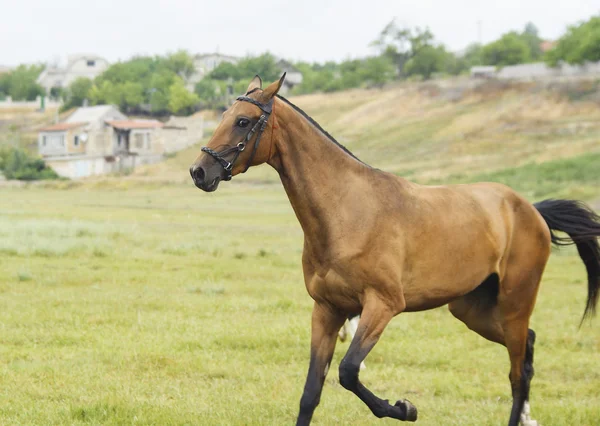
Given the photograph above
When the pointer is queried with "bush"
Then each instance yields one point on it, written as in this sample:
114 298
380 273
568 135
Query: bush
17 164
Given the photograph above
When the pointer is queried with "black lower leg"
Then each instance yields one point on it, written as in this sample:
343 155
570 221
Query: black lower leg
520 390
528 364
325 326
367 335
313 388
402 410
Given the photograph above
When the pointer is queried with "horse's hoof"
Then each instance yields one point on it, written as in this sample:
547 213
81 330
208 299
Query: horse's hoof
411 410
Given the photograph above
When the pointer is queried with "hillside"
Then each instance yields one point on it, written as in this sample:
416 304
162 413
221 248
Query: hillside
533 138
19 125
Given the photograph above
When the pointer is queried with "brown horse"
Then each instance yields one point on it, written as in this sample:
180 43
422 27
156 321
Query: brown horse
379 245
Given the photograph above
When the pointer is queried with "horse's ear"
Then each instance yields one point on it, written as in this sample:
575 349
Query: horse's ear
272 89
256 83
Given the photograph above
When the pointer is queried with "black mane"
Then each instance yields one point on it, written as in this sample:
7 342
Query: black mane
314 123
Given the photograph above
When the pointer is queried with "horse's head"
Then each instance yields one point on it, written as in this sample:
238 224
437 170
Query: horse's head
242 139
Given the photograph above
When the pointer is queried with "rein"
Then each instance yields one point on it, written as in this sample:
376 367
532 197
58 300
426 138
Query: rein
260 126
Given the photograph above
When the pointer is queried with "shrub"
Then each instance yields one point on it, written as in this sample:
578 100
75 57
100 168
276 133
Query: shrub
17 164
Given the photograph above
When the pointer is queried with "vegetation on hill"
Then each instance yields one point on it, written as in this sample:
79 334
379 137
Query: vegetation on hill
156 85
17 164
538 141
20 83
581 43
141 85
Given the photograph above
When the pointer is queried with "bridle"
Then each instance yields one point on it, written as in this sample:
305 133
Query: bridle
260 126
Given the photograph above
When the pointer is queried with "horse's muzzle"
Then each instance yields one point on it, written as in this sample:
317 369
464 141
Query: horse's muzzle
201 181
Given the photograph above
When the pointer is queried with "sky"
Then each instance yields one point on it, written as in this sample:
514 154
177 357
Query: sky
33 31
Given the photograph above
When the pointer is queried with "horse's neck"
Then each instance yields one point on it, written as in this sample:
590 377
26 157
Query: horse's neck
316 173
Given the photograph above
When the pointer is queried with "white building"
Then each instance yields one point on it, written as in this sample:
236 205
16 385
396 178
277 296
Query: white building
82 65
205 63
100 139
293 75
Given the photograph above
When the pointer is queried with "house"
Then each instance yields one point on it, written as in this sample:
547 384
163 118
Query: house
100 139
205 63
546 45
82 65
483 72
293 75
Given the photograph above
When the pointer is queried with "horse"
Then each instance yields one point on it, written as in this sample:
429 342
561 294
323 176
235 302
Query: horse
349 329
378 245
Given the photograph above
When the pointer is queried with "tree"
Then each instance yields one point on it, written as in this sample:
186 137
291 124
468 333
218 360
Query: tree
103 92
4 84
180 98
78 91
263 65
160 90
181 63
57 92
581 43
225 71
531 37
377 70
426 61
208 91
17 164
510 49
20 83
400 44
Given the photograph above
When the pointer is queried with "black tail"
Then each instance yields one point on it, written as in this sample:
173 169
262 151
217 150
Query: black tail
582 226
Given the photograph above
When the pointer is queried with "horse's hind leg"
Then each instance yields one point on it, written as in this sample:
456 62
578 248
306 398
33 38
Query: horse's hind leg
505 320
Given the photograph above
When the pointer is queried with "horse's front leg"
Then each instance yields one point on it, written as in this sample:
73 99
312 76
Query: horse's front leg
374 318
326 323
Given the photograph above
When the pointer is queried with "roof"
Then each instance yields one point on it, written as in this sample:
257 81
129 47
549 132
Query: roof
220 55
483 68
61 127
89 114
134 124
546 45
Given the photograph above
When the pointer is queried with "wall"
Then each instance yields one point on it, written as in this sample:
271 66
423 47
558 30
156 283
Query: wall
540 70
55 143
78 68
74 167
70 141
77 167
178 134
142 141
8 103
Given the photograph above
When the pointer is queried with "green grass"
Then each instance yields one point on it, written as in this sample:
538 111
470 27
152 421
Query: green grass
577 177
163 305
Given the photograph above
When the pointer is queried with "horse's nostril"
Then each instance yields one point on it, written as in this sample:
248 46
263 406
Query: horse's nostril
197 173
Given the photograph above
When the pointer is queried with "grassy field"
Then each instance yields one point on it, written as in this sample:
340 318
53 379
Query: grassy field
141 300
142 303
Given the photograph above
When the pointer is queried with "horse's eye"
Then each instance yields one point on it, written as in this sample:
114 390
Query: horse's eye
243 122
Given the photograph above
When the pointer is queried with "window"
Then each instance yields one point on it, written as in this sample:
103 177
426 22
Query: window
44 140
76 141
62 140
91 63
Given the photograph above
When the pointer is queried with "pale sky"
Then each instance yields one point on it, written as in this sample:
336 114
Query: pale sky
314 30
